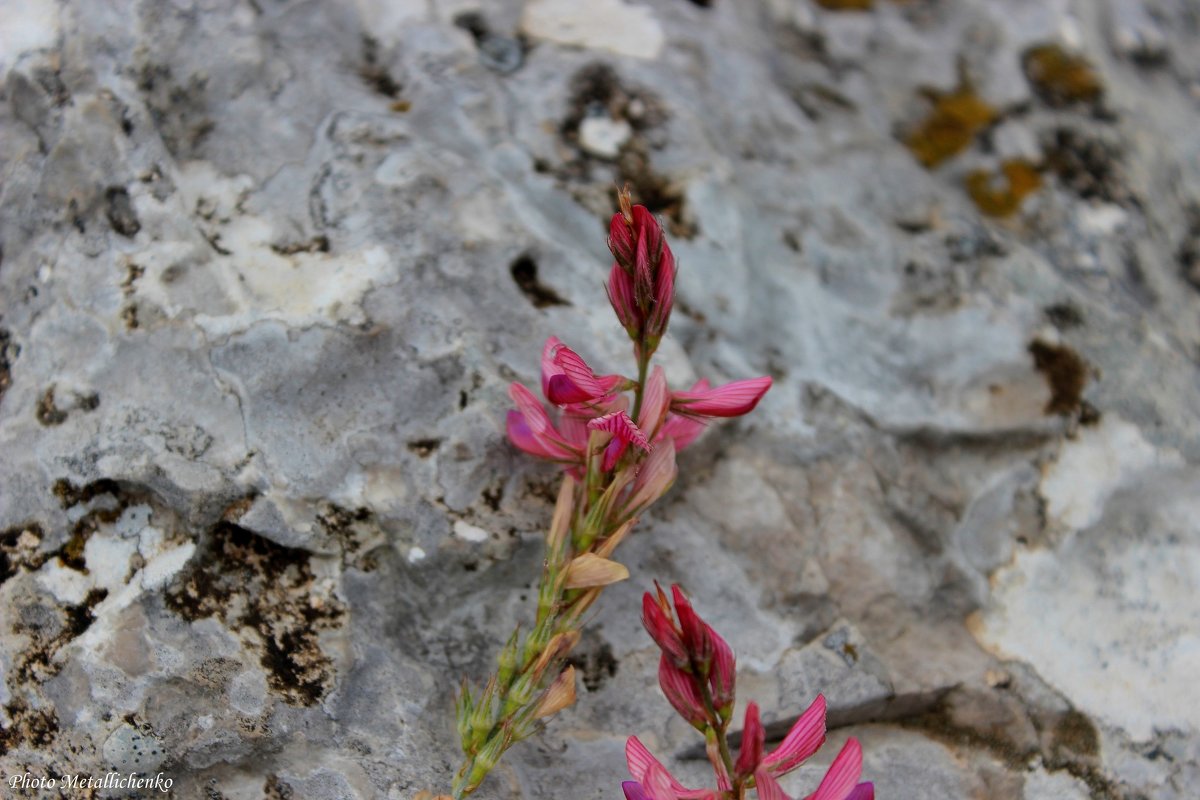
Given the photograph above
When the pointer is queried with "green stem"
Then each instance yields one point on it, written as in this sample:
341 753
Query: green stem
718 727
639 390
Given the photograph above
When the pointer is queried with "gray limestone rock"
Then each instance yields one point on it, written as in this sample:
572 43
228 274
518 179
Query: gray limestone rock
267 269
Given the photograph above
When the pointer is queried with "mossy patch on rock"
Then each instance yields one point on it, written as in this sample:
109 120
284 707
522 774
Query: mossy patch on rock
955 118
999 194
1060 77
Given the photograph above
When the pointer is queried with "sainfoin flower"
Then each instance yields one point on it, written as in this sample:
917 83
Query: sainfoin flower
696 674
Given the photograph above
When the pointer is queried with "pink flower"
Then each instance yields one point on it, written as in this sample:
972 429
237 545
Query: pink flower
624 432
805 738
530 429
730 400
567 379
653 776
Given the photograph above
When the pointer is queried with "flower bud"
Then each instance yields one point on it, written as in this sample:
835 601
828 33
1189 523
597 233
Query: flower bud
752 742
681 692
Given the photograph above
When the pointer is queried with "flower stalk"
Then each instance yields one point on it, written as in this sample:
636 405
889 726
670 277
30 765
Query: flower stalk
617 462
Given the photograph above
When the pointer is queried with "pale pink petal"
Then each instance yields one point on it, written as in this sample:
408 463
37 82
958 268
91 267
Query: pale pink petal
575 368
654 478
523 437
805 738
731 400
654 403
535 416
768 787
843 774
621 426
640 762
752 742
549 368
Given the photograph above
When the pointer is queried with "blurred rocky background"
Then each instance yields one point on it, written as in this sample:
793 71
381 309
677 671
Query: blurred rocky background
268 267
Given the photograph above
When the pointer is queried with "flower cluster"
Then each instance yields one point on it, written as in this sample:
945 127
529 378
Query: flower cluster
618 456
696 673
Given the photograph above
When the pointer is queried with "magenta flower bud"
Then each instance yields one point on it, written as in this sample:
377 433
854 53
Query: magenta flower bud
695 633
663 299
661 629
722 678
681 692
753 735
620 295
622 240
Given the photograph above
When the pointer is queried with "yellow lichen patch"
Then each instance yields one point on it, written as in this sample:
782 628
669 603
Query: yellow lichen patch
846 5
1061 77
952 123
1000 194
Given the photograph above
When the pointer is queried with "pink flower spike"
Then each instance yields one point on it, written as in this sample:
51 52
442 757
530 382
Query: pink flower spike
731 400
621 426
681 692
805 738
843 774
768 788
752 742
654 403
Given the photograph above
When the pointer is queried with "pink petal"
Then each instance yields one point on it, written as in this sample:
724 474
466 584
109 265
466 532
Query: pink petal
805 738
549 368
620 295
654 403
612 454
731 400
662 630
621 426
722 678
768 787
681 692
634 791
524 439
664 296
535 416
843 774
655 476
752 742
695 632
642 764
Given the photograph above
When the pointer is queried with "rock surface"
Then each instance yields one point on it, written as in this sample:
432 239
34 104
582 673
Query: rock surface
267 268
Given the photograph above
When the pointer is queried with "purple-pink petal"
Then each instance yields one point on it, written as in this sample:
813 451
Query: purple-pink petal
864 791
621 426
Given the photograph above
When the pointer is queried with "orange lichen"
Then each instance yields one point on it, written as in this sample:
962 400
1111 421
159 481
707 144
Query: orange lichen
1061 77
846 5
1000 194
953 121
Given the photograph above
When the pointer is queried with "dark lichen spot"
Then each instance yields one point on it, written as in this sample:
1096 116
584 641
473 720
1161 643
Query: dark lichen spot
1075 735
595 662
597 89
1087 165
49 630
953 121
1064 315
424 447
276 789
9 350
525 273
1059 77
120 213
493 495
32 727
256 585
352 529
374 74
1066 373
1188 257
1000 194
47 412
317 244
653 190
19 549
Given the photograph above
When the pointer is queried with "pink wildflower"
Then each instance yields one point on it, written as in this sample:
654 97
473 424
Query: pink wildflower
731 400
805 738
530 429
841 781
648 772
567 379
